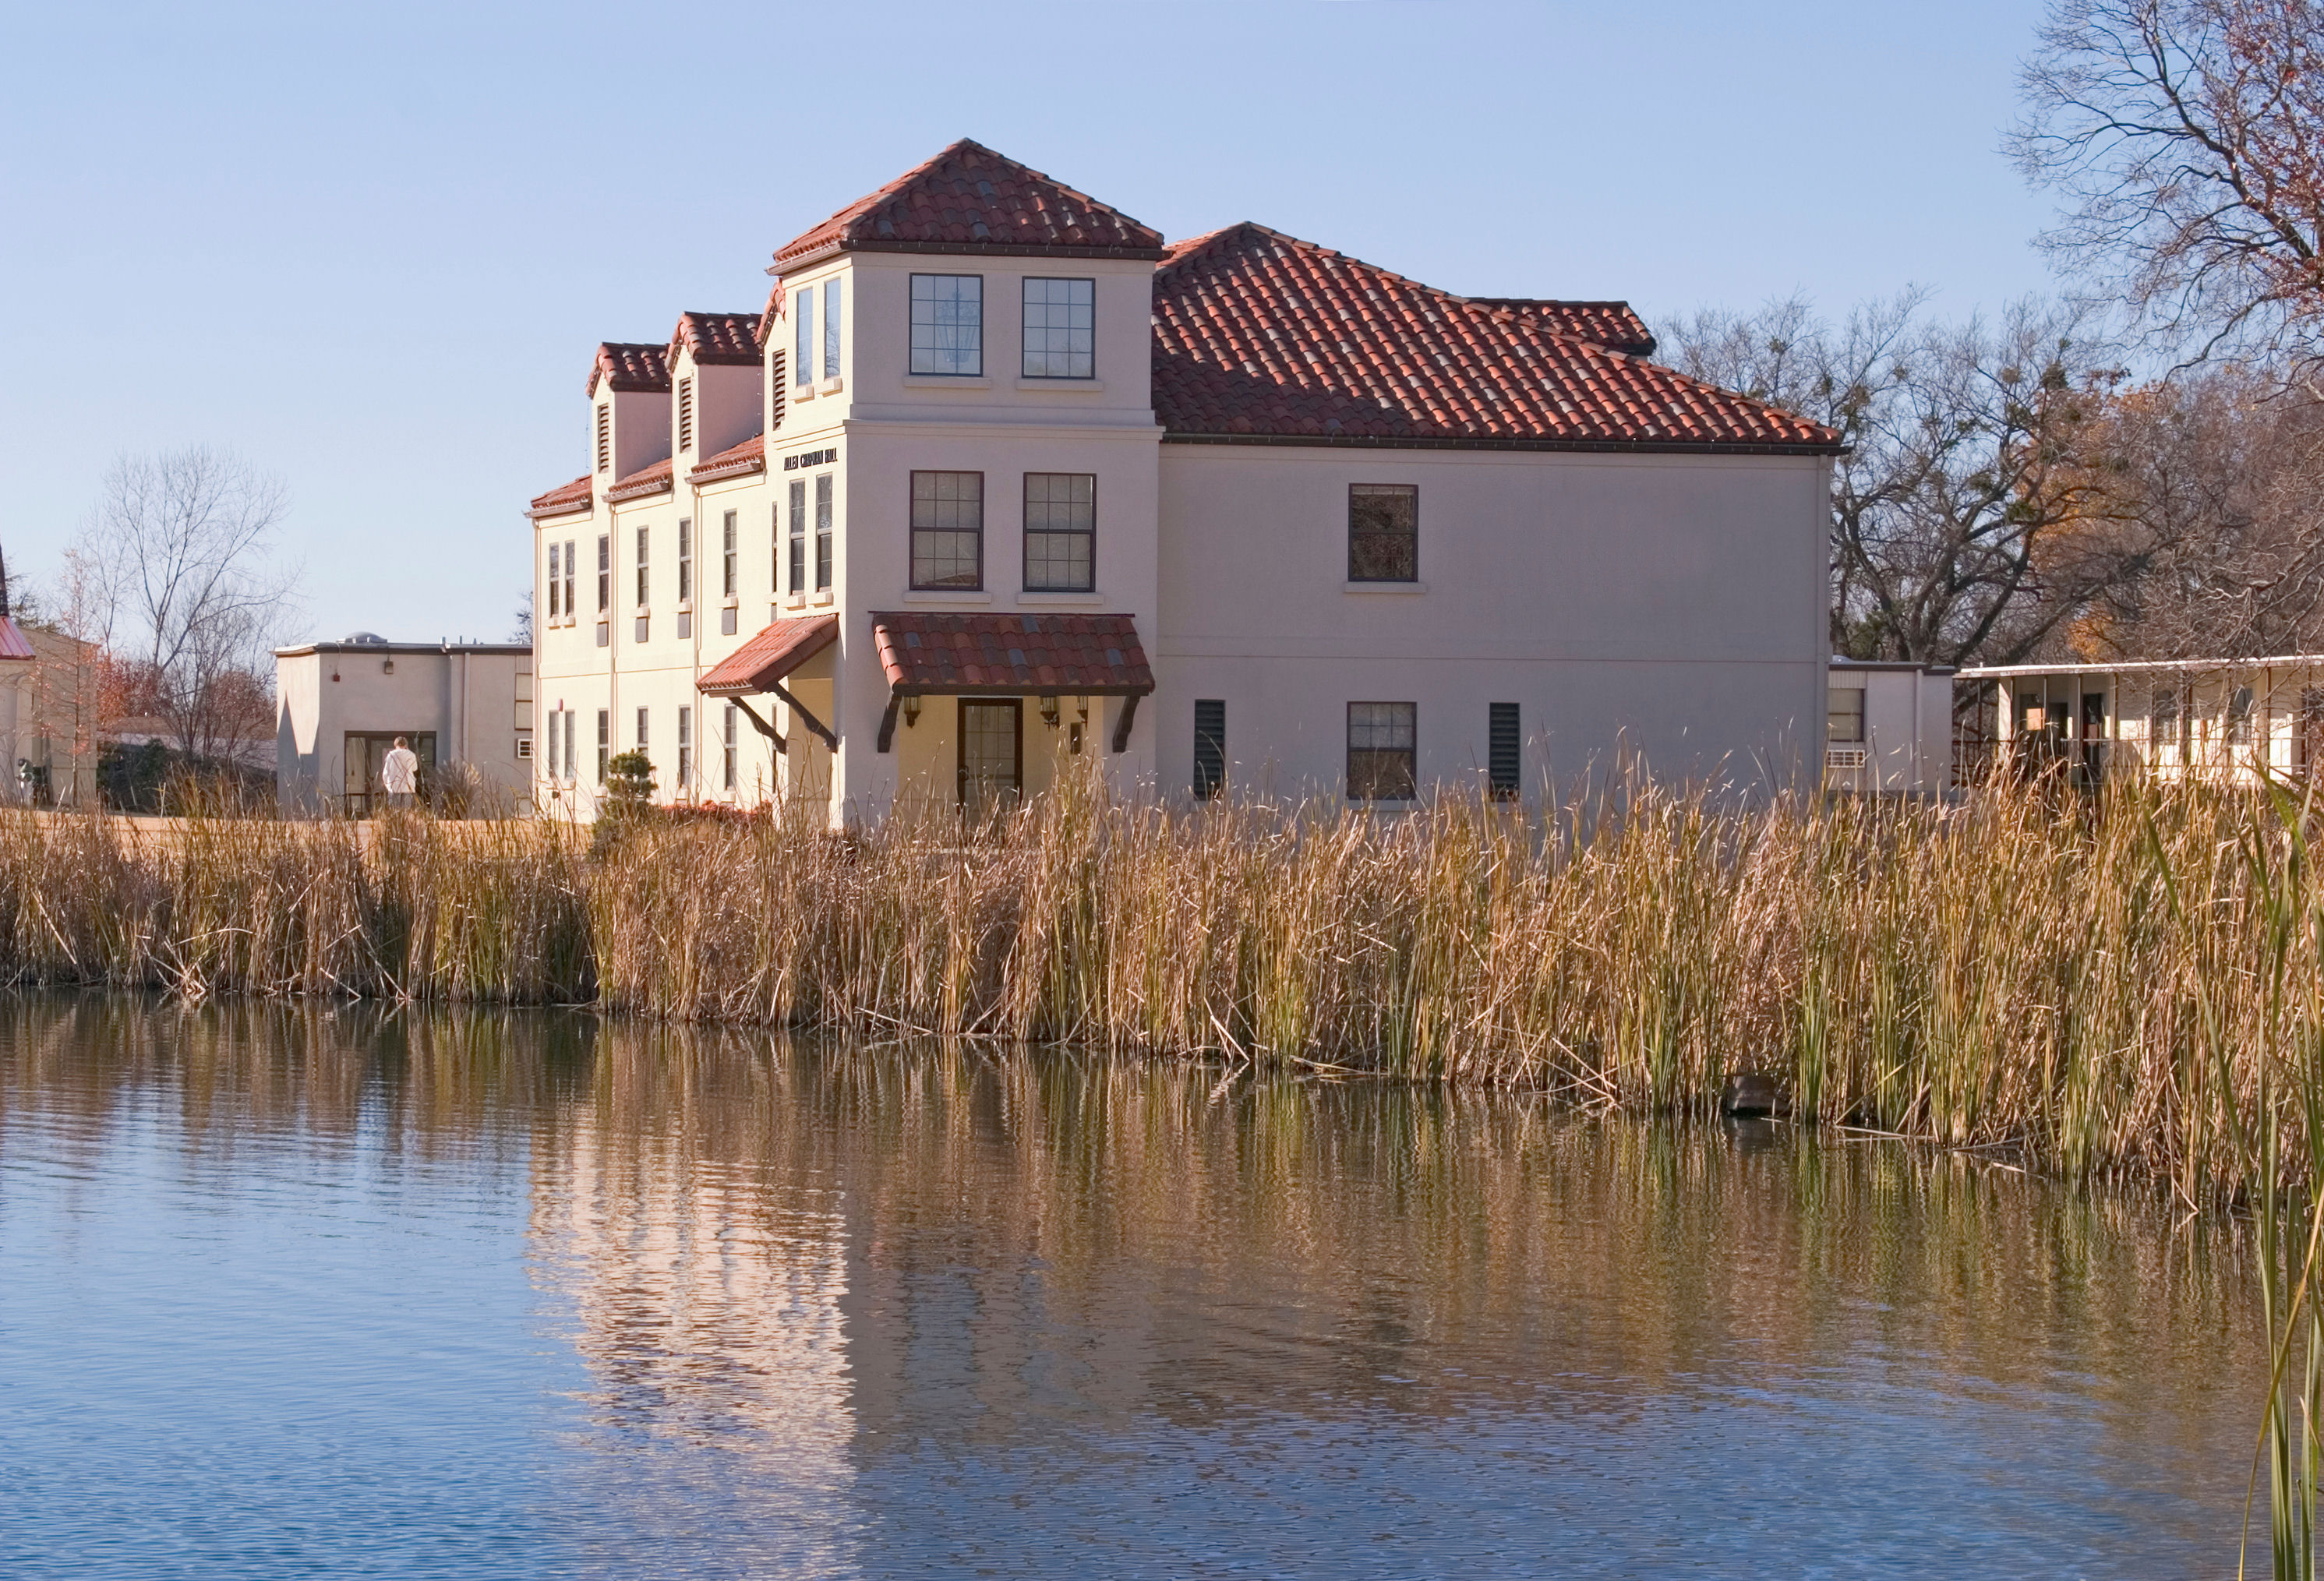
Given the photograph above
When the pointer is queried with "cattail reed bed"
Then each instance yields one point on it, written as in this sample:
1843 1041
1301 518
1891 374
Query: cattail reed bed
2126 983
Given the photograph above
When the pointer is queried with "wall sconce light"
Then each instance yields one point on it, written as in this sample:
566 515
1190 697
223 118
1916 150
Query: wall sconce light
912 710
387 666
1049 710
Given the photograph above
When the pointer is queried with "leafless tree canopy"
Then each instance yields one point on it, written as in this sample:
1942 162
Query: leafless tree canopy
2187 137
191 599
1951 515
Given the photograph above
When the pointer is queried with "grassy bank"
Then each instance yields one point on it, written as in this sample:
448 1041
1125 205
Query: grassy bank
2130 984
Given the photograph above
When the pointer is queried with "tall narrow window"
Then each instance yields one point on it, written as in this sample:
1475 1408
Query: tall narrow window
2239 716
1383 532
1060 531
948 323
685 415
605 571
1060 329
775 550
2163 716
803 337
798 535
727 749
1844 715
604 437
1210 746
823 532
948 529
1501 756
645 542
832 296
572 570
552 743
729 559
640 742
571 748
685 747
556 565
684 559
1380 737
604 742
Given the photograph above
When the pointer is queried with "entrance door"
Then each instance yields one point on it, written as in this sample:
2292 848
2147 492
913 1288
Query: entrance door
366 753
991 752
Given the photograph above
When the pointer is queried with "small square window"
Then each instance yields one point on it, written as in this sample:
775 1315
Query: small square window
1380 752
948 323
1383 532
1060 329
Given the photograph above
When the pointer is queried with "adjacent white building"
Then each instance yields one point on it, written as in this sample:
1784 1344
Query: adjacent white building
998 479
2226 722
467 709
1888 728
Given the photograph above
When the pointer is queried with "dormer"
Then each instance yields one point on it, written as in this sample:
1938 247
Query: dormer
628 410
717 400
971 279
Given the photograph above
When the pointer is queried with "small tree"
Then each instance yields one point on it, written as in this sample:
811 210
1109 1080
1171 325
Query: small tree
629 782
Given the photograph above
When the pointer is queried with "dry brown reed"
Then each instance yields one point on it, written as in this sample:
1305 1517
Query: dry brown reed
2087 982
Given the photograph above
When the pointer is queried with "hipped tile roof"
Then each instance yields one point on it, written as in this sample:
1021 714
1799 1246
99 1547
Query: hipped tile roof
13 643
1259 336
630 365
774 653
735 461
564 500
715 339
1083 654
648 479
1616 326
970 199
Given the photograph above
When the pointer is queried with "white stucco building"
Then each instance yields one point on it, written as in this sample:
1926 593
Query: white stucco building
1888 728
2218 720
467 707
999 477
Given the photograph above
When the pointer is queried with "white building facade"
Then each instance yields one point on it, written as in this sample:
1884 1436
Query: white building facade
466 708
2217 720
998 479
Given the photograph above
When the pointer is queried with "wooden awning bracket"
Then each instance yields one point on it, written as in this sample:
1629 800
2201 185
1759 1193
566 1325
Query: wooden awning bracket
761 726
816 727
888 721
1121 725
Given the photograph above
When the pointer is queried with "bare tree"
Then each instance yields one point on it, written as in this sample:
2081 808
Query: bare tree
1950 512
178 552
2187 137
522 630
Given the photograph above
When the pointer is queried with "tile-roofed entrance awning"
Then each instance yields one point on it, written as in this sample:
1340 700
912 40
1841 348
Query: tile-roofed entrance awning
760 663
1008 655
974 656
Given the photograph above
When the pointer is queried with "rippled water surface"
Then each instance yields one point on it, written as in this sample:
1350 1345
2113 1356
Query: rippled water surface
293 1293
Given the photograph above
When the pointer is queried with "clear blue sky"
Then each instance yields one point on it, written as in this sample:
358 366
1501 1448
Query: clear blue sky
371 248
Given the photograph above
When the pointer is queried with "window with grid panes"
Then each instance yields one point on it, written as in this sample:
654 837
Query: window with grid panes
553 722
728 580
1060 532
947 327
727 748
685 747
604 742
571 747
823 532
948 530
556 565
803 337
1380 752
684 559
832 298
1383 532
645 542
798 535
572 570
1060 329
605 571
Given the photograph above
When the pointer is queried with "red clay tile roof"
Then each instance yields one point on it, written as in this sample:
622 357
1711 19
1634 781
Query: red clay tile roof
970 199
563 499
13 644
769 656
649 480
1084 654
738 460
769 315
1259 336
627 365
715 339
1615 325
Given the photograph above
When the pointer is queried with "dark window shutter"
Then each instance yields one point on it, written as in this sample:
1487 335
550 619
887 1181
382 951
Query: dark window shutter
1501 750
1210 746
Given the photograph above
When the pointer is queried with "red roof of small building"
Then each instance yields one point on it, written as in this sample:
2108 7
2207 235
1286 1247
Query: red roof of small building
630 365
656 479
1261 336
715 339
774 653
735 461
1085 654
970 199
13 643
564 500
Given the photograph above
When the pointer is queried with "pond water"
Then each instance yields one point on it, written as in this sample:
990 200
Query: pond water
297 1293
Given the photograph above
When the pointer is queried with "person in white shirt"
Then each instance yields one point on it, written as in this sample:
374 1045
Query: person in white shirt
399 774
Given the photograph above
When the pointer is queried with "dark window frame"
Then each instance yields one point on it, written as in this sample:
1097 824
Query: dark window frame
934 350
826 490
1016 705
555 573
1832 715
1504 750
604 572
1088 534
729 570
1025 329
1377 756
685 559
913 547
1372 547
1210 748
795 535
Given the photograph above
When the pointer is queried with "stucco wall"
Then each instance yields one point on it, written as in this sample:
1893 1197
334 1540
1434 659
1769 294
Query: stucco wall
478 703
